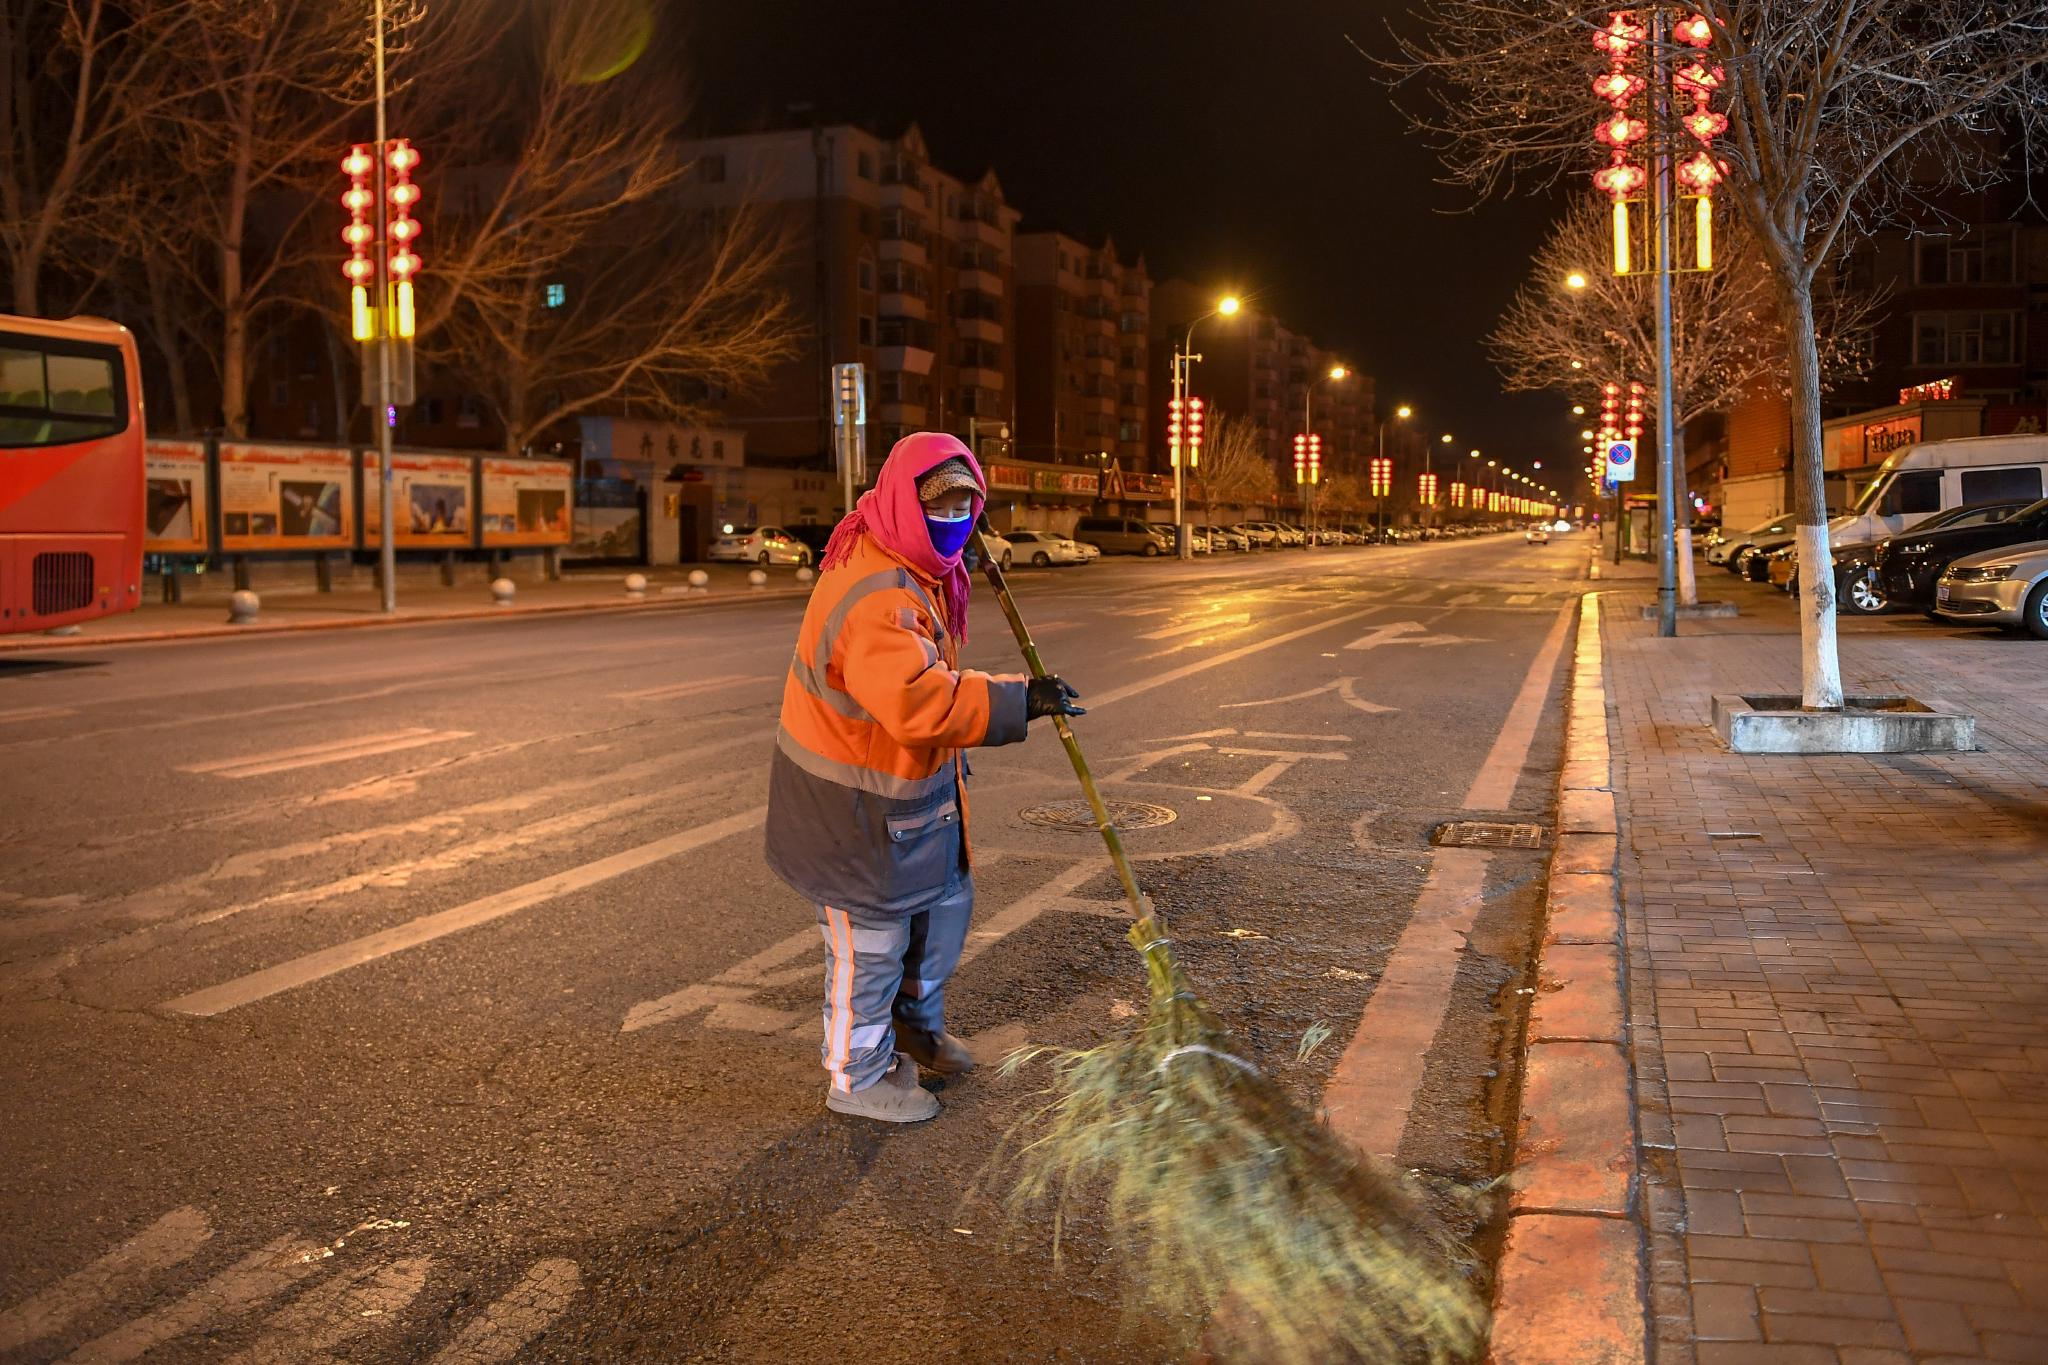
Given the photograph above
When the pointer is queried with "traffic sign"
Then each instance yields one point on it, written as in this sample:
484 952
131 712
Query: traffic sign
1621 462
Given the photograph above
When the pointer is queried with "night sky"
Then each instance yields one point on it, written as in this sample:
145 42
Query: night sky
1242 143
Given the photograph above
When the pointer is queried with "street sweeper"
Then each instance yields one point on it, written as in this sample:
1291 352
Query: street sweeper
867 803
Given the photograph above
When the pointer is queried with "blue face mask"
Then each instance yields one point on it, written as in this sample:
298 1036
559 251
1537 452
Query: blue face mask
949 534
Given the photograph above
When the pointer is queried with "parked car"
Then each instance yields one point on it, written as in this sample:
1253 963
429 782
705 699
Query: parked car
1198 541
1536 535
759 545
1289 533
1732 544
2004 587
1259 534
1856 587
1227 538
1910 563
812 535
1935 476
1043 548
1125 536
999 546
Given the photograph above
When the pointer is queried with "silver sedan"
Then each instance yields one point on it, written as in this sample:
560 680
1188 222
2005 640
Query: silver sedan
2002 587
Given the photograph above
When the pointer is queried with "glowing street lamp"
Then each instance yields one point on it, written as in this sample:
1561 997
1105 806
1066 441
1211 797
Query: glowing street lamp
1182 403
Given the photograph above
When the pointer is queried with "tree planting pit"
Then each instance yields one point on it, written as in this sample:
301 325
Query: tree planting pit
1775 723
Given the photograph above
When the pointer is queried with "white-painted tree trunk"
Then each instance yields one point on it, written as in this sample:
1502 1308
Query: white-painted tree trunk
1681 520
1688 580
1820 665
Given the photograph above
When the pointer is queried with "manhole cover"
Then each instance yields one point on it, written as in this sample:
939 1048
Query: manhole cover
1486 834
1074 817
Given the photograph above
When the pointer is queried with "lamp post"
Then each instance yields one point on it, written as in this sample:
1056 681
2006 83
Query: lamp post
1402 413
1183 358
1308 429
387 553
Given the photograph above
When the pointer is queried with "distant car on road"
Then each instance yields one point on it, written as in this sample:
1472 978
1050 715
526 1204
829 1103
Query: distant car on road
759 545
1538 534
2007 587
1910 563
1043 548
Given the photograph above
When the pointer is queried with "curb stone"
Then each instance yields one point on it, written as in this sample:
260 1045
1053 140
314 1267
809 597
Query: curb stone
1571 1274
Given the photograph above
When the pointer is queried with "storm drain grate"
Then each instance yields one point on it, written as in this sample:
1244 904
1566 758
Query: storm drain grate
1486 834
1074 817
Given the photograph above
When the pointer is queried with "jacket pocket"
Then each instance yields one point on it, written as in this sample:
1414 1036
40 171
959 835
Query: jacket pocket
923 856
917 824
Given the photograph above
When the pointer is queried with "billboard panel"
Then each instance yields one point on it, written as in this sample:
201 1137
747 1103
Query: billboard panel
430 498
526 502
174 474
286 498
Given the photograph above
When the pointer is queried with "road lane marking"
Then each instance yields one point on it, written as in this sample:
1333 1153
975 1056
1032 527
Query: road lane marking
726 999
35 713
261 1275
1521 599
317 966
1209 622
1494 786
675 691
1282 734
1373 1087
164 1243
1464 599
1291 755
1345 688
1173 675
325 1317
518 1316
313 755
1407 633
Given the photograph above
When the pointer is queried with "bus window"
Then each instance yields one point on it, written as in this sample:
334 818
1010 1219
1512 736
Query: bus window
56 397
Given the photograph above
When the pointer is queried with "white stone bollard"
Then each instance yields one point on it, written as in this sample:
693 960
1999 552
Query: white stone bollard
700 581
804 575
759 578
242 607
636 585
502 592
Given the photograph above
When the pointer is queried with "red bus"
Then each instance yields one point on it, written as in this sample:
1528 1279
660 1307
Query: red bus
71 472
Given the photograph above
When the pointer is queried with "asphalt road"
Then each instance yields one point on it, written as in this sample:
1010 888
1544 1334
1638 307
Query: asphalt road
420 994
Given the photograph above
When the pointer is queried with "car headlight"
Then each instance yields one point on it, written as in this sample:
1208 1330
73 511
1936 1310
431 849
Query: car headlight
1980 573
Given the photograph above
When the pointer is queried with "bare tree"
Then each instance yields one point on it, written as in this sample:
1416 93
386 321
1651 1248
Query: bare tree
1843 114
80 81
565 273
1234 471
1727 336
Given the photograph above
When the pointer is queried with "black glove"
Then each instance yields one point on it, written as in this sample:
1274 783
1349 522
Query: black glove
1049 696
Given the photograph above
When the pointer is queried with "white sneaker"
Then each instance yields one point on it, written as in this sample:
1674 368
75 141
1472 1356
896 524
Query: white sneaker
896 1098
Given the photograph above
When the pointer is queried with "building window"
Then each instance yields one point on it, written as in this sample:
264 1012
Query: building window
1963 338
280 393
867 276
430 410
469 411
867 331
712 168
555 295
867 222
1982 255
1130 431
864 166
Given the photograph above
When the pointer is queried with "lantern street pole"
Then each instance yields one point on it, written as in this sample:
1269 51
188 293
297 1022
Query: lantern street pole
1665 192
387 555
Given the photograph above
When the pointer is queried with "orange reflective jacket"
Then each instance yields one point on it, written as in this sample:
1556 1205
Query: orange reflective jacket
865 808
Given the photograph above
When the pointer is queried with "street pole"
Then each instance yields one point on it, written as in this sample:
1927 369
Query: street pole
387 553
1662 188
1181 548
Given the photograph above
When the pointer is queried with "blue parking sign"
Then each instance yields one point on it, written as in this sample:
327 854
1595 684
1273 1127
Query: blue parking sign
1621 462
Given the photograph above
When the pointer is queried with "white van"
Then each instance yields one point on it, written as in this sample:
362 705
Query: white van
1938 475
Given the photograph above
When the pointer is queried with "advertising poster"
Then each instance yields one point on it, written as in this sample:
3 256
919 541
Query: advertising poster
430 494
285 498
174 474
526 502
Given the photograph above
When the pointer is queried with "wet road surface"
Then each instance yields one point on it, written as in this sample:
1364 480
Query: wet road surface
420 994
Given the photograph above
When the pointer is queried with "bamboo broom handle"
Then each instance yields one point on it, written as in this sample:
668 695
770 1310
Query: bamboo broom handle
1139 910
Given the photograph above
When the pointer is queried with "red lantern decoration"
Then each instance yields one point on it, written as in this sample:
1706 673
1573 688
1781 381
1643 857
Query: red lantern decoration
1694 32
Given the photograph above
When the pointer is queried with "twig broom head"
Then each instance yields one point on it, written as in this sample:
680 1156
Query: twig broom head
1220 1188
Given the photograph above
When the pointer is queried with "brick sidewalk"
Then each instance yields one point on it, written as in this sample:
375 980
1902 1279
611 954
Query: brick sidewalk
1840 1026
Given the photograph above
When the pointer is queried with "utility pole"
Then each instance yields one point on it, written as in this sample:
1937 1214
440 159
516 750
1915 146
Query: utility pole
387 412
1664 192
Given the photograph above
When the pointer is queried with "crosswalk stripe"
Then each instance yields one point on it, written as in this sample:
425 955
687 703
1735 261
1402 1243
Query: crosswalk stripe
301 971
256 1277
674 691
35 713
517 1317
312 755
164 1243
1210 622
324 1318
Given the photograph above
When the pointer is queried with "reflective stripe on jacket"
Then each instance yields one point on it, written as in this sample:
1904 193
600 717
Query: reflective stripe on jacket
865 808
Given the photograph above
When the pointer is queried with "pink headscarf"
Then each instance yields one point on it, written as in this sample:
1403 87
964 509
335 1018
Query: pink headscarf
891 513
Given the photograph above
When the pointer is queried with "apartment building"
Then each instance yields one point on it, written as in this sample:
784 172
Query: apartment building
893 263
1254 367
1083 319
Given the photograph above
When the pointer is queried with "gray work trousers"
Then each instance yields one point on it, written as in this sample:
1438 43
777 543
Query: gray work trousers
881 970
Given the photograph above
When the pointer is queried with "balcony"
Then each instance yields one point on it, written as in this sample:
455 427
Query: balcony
898 304
980 377
978 329
895 413
981 231
1103 364
904 251
902 186
979 280
903 359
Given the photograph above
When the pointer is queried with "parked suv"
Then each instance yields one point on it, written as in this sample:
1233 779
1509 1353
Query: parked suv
1124 536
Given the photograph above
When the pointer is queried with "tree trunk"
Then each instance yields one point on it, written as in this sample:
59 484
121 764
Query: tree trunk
1681 521
234 304
1820 665
166 331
